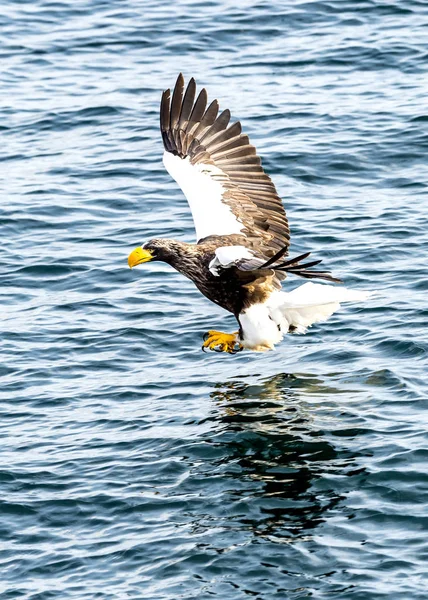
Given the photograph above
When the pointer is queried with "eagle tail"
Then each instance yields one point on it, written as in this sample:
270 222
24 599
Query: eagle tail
310 303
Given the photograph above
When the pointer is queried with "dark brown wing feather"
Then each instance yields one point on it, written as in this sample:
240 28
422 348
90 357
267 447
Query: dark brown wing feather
190 129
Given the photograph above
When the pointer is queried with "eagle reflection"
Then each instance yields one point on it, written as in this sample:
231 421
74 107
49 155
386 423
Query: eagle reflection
278 453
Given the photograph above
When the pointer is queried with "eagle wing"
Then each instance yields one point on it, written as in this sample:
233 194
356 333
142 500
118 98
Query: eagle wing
218 170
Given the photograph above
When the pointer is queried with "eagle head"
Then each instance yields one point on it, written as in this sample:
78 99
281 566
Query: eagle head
155 249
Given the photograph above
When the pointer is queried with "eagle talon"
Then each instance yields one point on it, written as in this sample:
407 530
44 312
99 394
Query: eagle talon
221 342
236 350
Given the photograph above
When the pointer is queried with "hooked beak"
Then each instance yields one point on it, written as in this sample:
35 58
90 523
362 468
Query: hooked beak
138 256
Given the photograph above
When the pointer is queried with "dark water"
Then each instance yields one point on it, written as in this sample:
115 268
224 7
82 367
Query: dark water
133 465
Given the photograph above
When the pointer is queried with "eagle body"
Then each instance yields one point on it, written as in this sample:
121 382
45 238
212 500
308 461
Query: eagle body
240 258
232 289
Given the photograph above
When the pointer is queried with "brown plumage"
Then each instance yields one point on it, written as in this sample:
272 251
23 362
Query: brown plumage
206 138
190 130
234 289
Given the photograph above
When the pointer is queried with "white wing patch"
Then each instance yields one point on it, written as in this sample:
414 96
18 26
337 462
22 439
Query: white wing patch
204 195
226 256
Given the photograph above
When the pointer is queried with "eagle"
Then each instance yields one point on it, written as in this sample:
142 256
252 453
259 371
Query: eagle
240 257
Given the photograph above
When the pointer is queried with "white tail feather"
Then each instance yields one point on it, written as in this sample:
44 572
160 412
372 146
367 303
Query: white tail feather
264 325
311 303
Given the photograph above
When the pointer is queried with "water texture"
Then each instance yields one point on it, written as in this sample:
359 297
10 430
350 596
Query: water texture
133 466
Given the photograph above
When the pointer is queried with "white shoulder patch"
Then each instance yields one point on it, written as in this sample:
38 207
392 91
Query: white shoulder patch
226 256
204 194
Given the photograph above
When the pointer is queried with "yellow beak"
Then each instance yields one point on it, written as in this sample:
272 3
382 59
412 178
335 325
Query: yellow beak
138 256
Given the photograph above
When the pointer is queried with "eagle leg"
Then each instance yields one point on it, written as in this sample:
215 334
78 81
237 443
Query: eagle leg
222 342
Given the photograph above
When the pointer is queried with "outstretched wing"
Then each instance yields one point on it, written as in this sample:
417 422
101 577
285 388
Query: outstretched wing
220 173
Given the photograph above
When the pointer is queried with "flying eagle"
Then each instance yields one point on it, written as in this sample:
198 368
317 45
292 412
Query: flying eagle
239 259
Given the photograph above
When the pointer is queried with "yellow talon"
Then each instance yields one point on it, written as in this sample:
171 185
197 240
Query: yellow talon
222 342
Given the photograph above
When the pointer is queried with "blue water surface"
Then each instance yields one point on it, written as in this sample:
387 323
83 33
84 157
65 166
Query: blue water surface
133 466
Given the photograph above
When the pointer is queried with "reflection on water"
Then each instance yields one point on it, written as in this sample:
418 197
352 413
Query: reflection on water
275 438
